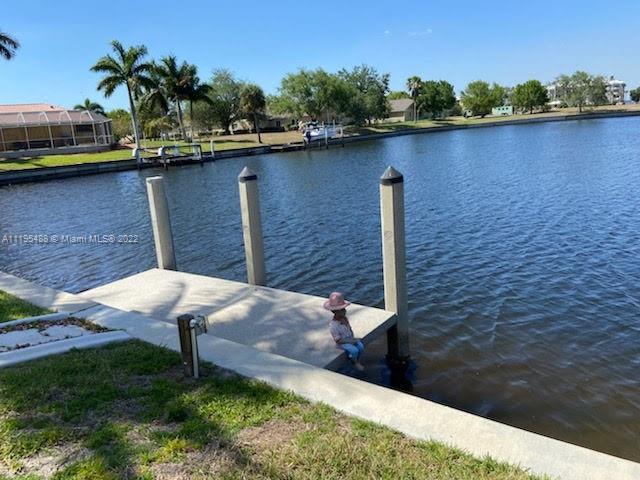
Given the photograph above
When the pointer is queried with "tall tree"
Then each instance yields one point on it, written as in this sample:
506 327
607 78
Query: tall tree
253 103
414 84
598 90
364 93
581 89
195 91
435 97
90 106
225 98
8 46
635 94
129 69
313 92
155 95
529 95
175 79
480 97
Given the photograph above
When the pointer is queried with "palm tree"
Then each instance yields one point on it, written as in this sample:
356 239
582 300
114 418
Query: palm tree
126 68
175 83
8 46
252 102
413 85
196 91
90 106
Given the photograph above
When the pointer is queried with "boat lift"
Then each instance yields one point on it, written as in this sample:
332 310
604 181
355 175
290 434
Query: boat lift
314 133
170 154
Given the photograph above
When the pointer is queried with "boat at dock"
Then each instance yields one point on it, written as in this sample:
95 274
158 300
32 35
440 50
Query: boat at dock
313 132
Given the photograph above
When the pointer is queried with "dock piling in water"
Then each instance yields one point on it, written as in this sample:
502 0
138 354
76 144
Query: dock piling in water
394 262
252 227
160 223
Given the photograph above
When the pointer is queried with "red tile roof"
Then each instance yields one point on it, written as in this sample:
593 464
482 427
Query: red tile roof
30 107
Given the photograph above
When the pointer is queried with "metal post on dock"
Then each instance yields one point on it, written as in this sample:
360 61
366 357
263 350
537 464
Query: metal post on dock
252 227
187 344
212 145
394 262
161 224
189 328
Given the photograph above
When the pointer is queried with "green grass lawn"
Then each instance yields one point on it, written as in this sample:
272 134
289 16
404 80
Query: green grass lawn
426 123
12 308
109 156
126 411
59 160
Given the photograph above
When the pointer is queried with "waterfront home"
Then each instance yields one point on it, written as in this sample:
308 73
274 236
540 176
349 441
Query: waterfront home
268 123
28 129
401 110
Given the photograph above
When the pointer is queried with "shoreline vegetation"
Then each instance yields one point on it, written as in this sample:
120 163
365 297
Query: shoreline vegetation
127 411
274 139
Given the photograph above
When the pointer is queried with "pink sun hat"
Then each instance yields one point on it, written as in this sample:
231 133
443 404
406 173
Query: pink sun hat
336 302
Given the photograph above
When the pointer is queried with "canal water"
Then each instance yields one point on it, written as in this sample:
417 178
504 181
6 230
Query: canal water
523 251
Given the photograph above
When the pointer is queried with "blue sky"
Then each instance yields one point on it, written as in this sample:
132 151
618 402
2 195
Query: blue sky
459 41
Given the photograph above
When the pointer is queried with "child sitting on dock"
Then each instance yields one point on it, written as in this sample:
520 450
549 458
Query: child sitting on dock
341 331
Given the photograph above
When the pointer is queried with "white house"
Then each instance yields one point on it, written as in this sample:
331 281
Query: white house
615 91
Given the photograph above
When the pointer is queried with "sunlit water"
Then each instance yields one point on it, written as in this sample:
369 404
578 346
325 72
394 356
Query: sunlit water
523 251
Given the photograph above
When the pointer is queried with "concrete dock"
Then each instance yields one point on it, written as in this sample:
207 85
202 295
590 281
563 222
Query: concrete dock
284 323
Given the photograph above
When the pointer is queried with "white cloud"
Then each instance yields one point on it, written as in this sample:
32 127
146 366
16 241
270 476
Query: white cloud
387 32
421 33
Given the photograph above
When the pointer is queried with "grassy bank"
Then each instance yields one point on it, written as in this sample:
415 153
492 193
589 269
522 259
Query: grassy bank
13 308
125 411
109 156
60 160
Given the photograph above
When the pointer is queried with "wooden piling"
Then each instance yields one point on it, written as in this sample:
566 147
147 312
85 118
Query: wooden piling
252 227
161 223
394 261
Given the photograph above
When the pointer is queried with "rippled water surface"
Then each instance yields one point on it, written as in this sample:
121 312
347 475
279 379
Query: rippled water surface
523 251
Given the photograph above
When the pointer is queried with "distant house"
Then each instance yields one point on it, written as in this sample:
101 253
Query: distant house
42 128
401 110
268 123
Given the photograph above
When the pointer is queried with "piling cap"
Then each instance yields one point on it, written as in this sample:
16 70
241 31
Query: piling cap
154 179
391 176
246 175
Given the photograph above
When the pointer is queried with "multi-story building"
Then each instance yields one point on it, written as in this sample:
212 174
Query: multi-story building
615 91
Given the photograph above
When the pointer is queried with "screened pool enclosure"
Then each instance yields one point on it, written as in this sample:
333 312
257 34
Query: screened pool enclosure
54 130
